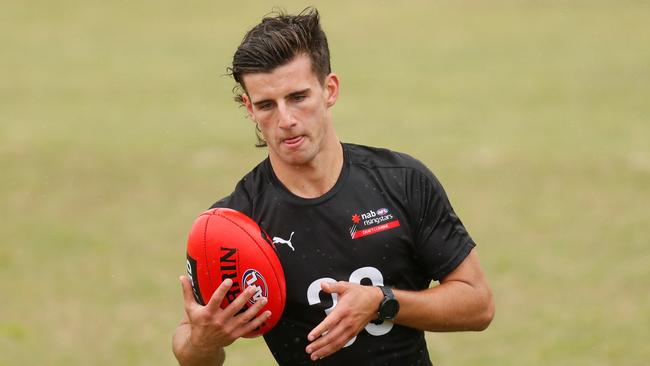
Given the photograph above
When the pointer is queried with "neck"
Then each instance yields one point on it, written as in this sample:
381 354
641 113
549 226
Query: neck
315 178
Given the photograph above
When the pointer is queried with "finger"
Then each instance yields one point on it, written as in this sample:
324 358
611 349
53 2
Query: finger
188 294
330 321
255 323
329 343
217 297
239 302
250 313
330 288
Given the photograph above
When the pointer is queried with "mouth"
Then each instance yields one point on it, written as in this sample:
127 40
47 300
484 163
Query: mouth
293 141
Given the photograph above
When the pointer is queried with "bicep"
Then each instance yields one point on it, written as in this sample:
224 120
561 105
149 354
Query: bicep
469 271
441 241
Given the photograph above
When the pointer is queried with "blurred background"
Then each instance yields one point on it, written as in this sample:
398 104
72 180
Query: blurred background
117 128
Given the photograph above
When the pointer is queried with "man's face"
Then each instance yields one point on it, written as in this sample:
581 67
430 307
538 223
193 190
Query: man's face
291 108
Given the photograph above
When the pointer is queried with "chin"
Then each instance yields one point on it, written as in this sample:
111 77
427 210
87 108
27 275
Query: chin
296 157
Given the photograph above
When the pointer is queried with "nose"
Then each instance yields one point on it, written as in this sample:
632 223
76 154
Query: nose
285 118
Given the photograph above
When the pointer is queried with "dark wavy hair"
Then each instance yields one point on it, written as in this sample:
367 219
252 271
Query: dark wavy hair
274 42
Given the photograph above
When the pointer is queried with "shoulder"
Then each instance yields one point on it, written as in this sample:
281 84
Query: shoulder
380 158
389 166
249 187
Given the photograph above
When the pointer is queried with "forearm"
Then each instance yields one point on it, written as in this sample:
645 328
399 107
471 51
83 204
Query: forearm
451 306
188 355
462 301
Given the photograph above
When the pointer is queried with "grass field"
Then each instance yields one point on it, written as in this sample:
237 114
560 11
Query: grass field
117 127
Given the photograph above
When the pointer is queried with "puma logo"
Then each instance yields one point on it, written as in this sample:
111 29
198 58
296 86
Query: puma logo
278 240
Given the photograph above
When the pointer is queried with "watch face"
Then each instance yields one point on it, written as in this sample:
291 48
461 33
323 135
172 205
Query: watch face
389 309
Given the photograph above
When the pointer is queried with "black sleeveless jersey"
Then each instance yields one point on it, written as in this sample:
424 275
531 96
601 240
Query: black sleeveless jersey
387 221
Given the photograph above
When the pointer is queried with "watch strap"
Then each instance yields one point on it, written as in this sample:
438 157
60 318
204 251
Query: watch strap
388 293
389 297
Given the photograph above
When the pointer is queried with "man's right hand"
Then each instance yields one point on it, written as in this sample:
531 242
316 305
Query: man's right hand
206 330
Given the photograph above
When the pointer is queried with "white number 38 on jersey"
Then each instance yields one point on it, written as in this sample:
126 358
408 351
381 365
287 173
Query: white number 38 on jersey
370 273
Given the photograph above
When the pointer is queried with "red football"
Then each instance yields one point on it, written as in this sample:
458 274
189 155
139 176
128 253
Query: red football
225 243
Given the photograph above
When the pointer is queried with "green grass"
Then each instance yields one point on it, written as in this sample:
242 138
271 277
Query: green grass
117 128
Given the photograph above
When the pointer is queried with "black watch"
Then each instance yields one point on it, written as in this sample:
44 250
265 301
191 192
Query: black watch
389 305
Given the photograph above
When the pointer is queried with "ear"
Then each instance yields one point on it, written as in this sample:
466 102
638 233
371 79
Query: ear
332 87
249 106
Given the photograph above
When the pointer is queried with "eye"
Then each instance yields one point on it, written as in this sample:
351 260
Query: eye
266 106
299 97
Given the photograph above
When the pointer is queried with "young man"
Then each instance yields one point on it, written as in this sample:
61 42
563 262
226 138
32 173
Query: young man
361 231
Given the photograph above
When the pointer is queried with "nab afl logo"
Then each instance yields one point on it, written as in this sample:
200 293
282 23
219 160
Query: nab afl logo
382 211
253 278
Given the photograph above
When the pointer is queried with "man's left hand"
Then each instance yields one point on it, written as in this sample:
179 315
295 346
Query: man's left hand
357 305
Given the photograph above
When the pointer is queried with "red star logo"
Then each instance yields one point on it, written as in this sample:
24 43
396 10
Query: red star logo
356 218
